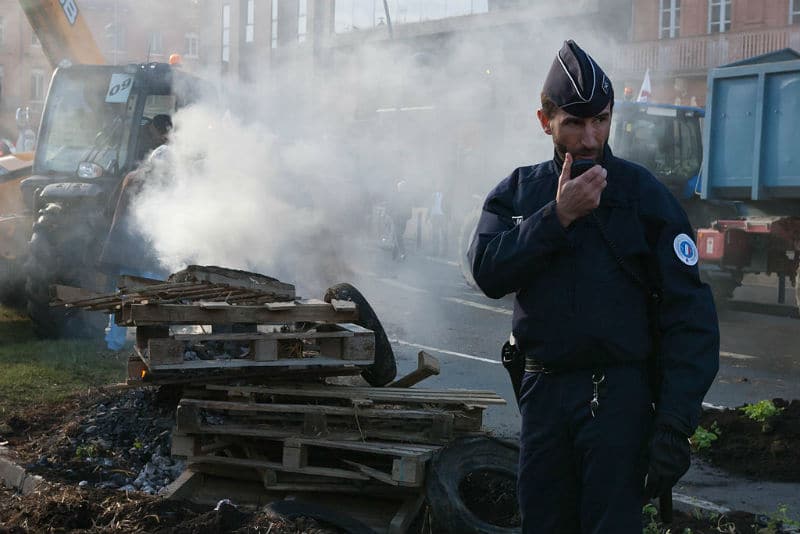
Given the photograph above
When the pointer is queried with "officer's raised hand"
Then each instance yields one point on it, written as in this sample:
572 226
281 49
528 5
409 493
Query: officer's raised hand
577 197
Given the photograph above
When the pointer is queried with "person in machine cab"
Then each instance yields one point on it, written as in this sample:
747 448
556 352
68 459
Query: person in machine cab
154 134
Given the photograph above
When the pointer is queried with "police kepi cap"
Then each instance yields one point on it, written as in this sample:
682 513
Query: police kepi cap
576 83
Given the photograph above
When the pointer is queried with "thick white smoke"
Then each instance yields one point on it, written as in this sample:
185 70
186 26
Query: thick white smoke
283 180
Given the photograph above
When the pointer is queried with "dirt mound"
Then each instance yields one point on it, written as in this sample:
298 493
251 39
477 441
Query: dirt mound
764 451
734 523
58 508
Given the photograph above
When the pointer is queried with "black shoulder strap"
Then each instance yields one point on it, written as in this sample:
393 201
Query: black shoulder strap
651 289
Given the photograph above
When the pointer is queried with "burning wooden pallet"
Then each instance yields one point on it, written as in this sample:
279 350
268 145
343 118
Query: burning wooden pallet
193 284
280 332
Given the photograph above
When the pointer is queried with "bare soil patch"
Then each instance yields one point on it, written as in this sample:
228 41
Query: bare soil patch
750 448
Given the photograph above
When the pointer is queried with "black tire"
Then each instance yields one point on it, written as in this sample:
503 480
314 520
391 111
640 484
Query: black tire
12 286
384 369
451 466
465 235
295 509
723 292
45 266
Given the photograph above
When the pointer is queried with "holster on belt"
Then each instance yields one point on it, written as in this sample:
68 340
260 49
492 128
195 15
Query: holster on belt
514 362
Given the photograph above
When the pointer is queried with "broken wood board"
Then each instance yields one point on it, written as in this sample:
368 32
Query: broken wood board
241 363
142 376
395 464
186 314
235 278
427 366
61 293
384 394
267 420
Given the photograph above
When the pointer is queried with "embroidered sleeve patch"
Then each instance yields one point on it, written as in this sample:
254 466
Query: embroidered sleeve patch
685 249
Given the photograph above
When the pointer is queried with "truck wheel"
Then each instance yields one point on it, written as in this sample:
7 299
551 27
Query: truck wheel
12 285
384 369
42 269
797 287
465 235
481 467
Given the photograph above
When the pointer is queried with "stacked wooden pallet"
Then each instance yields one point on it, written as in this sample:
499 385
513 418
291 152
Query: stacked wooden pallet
287 431
234 323
323 438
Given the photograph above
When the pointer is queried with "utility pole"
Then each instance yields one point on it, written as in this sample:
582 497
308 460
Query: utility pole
388 18
116 31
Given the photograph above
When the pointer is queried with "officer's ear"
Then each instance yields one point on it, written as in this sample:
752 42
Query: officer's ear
544 122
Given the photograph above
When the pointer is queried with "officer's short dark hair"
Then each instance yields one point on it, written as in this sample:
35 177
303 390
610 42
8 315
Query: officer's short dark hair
162 123
549 108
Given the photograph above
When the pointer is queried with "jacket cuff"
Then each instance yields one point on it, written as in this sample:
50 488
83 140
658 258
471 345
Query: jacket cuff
551 225
674 422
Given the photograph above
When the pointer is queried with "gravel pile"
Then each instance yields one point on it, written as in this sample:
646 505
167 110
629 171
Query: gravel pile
118 442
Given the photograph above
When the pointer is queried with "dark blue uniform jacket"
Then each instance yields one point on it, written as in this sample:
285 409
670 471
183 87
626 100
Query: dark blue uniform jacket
574 305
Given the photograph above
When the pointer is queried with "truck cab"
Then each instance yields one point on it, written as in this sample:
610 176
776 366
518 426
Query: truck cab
96 128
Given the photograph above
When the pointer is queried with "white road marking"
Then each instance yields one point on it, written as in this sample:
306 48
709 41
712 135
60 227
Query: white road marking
442 351
441 260
479 305
736 356
401 285
700 503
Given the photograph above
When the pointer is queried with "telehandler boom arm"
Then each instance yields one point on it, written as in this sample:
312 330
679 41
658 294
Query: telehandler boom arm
63 32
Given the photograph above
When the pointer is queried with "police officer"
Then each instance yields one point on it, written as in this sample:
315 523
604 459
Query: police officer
585 257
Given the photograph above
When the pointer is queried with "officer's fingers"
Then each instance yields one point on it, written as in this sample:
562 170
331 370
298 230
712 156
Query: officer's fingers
566 170
595 173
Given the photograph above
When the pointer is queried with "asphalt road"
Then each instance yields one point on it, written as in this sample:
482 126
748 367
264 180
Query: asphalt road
424 303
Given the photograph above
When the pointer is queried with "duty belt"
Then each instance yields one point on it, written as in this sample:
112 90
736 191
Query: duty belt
532 365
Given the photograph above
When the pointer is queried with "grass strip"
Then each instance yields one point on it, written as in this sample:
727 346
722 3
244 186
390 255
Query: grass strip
35 371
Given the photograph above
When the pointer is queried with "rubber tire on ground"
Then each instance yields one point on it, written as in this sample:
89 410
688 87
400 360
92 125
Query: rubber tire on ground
465 235
12 286
384 369
295 509
40 269
451 465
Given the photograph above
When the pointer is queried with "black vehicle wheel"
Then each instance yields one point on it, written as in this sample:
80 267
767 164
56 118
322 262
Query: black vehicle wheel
797 287
384 369
12 286
465 235
723 292
42 269
471 487
323 514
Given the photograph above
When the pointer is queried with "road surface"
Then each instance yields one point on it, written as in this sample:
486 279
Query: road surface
424 304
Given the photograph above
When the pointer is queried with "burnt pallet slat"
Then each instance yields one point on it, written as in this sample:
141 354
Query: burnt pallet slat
391 463
188 314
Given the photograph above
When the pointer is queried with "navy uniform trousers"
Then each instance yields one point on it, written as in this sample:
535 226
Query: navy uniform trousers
580 473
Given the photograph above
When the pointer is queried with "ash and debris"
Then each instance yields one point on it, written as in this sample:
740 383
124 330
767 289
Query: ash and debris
119 442
62 508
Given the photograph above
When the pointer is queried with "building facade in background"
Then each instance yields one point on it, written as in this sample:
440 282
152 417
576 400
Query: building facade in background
680 40
126 31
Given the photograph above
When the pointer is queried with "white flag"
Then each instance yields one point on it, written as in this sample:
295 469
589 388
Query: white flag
646 91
